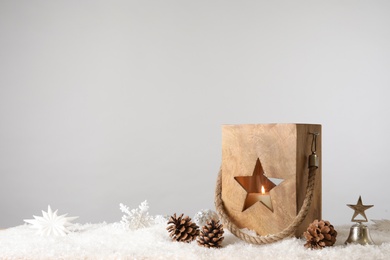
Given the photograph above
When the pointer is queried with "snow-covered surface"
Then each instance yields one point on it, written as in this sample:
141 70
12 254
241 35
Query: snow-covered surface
111 241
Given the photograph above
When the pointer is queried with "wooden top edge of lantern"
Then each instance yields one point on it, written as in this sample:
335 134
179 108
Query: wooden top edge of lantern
272 124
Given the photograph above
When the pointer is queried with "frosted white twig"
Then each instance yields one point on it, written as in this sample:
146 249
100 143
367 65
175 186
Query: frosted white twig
381 224
136 218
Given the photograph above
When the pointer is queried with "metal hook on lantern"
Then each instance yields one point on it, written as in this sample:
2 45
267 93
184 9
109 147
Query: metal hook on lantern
313 157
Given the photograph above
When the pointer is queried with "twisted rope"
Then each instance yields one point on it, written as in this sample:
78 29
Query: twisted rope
260 240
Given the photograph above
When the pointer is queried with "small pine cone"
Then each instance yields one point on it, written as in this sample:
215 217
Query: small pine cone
320 234
182 229
211 234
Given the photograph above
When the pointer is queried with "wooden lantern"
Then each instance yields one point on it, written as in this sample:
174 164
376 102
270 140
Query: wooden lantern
264 175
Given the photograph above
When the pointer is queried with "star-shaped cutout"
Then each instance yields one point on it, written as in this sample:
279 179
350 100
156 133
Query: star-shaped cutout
257 187
359 209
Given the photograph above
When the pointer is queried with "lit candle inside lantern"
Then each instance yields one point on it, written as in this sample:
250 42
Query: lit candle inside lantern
262 196
265 198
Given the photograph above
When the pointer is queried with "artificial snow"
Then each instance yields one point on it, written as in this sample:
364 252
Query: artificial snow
109 241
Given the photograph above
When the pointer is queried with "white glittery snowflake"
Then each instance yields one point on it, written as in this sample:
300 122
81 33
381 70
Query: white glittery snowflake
136 218
50 223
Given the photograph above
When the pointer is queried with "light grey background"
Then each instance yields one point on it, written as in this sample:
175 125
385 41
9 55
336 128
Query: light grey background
103 102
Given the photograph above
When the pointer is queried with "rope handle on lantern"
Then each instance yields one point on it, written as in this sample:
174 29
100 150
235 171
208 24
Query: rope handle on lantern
313 163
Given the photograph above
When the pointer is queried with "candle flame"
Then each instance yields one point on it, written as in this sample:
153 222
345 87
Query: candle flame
262 189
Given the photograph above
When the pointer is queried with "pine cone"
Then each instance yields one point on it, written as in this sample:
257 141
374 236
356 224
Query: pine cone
182 229
211 234
320 234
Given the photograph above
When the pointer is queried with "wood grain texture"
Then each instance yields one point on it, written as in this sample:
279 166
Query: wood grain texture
283 150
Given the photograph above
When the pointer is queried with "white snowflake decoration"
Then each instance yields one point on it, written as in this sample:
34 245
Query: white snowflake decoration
51 224
205 215
160 219
136 218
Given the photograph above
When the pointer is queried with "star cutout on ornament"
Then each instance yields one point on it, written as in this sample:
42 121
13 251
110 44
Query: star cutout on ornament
258 187
50 223
359 209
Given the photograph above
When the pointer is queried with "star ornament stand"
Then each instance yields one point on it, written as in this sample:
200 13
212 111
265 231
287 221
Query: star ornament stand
359 233
265 175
